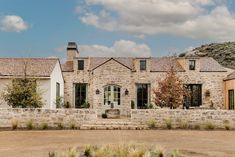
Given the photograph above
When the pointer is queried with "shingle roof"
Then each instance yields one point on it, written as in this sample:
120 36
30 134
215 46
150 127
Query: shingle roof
230 76
208 64
67 66
164 64
36 67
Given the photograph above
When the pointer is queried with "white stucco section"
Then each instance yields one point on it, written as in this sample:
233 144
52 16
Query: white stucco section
56 77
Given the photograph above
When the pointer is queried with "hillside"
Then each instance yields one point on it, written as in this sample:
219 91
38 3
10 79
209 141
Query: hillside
224 53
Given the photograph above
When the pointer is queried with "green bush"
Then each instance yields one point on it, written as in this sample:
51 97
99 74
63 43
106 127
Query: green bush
168 123
197 127
14 124
175 153
132 104
29 124
67 105
151 124
72 125
60 125
184 124
59 102
209 125
226 125
44 126
104 115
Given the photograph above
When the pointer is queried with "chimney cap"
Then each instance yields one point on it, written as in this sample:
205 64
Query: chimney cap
72 45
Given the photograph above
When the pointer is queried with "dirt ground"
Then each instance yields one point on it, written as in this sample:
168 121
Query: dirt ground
189 143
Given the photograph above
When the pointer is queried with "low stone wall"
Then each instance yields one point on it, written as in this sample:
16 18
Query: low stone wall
192 117
52 117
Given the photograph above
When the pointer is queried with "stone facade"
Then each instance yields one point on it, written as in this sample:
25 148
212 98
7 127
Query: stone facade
114 73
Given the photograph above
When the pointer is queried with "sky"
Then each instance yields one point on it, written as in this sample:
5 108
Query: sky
136 28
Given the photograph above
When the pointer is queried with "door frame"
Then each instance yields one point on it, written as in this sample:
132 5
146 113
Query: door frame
115 105
191 97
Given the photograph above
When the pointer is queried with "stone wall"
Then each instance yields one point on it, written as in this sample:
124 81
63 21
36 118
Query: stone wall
52 117
192 117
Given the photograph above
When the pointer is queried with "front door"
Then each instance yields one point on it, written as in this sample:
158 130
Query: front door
112 96
195 98
231 99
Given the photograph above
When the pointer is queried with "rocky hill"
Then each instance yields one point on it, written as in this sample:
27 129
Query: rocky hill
224 53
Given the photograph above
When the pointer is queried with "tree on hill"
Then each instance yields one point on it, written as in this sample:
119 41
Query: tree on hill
22 92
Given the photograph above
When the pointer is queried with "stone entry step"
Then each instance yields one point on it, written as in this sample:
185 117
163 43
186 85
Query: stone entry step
112 124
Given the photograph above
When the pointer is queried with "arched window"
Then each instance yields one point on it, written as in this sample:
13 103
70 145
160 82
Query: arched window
112 94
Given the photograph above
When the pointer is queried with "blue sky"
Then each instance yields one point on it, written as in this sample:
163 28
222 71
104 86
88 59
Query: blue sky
42 28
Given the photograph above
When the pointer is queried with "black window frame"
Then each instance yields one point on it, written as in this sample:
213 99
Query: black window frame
143 65
190 101
231 106
192 64
57 89
80 64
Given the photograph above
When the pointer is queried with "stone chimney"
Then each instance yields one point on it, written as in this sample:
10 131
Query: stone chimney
72 51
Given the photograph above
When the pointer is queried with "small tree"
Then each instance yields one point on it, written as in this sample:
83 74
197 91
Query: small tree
170 91
22 92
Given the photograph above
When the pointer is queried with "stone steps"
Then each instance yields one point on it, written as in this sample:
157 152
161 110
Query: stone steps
112 124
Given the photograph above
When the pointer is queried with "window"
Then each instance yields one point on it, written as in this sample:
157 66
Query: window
231 99
142 95
142 64
57 89
80 94
195 98
112 94
192 64
80 64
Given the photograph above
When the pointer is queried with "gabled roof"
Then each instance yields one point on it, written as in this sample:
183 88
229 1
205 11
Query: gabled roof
208 64
230 76
35 67
95 62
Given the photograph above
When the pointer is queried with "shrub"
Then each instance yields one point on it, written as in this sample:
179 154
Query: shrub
132 104
104 115
72 125
60 125
168 123
88 151
67 105
157 153
29 124
209 125
226 125
151 124
184 124
175 153
44 126
14 124
59 102
197 126
52 154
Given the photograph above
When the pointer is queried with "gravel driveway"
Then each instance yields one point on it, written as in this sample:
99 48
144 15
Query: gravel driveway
190 143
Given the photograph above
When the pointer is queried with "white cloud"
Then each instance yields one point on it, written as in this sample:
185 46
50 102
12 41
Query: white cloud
12 23
197 19
121 48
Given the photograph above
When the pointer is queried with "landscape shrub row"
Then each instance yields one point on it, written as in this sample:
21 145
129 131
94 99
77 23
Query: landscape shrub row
130 150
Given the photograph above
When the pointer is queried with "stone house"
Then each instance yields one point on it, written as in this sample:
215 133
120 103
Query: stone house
47 72
120 82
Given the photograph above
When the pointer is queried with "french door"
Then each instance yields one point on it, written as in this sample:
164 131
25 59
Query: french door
142 95
112 95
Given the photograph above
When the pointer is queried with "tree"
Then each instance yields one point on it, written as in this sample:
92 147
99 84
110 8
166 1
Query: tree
170 91
22 92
